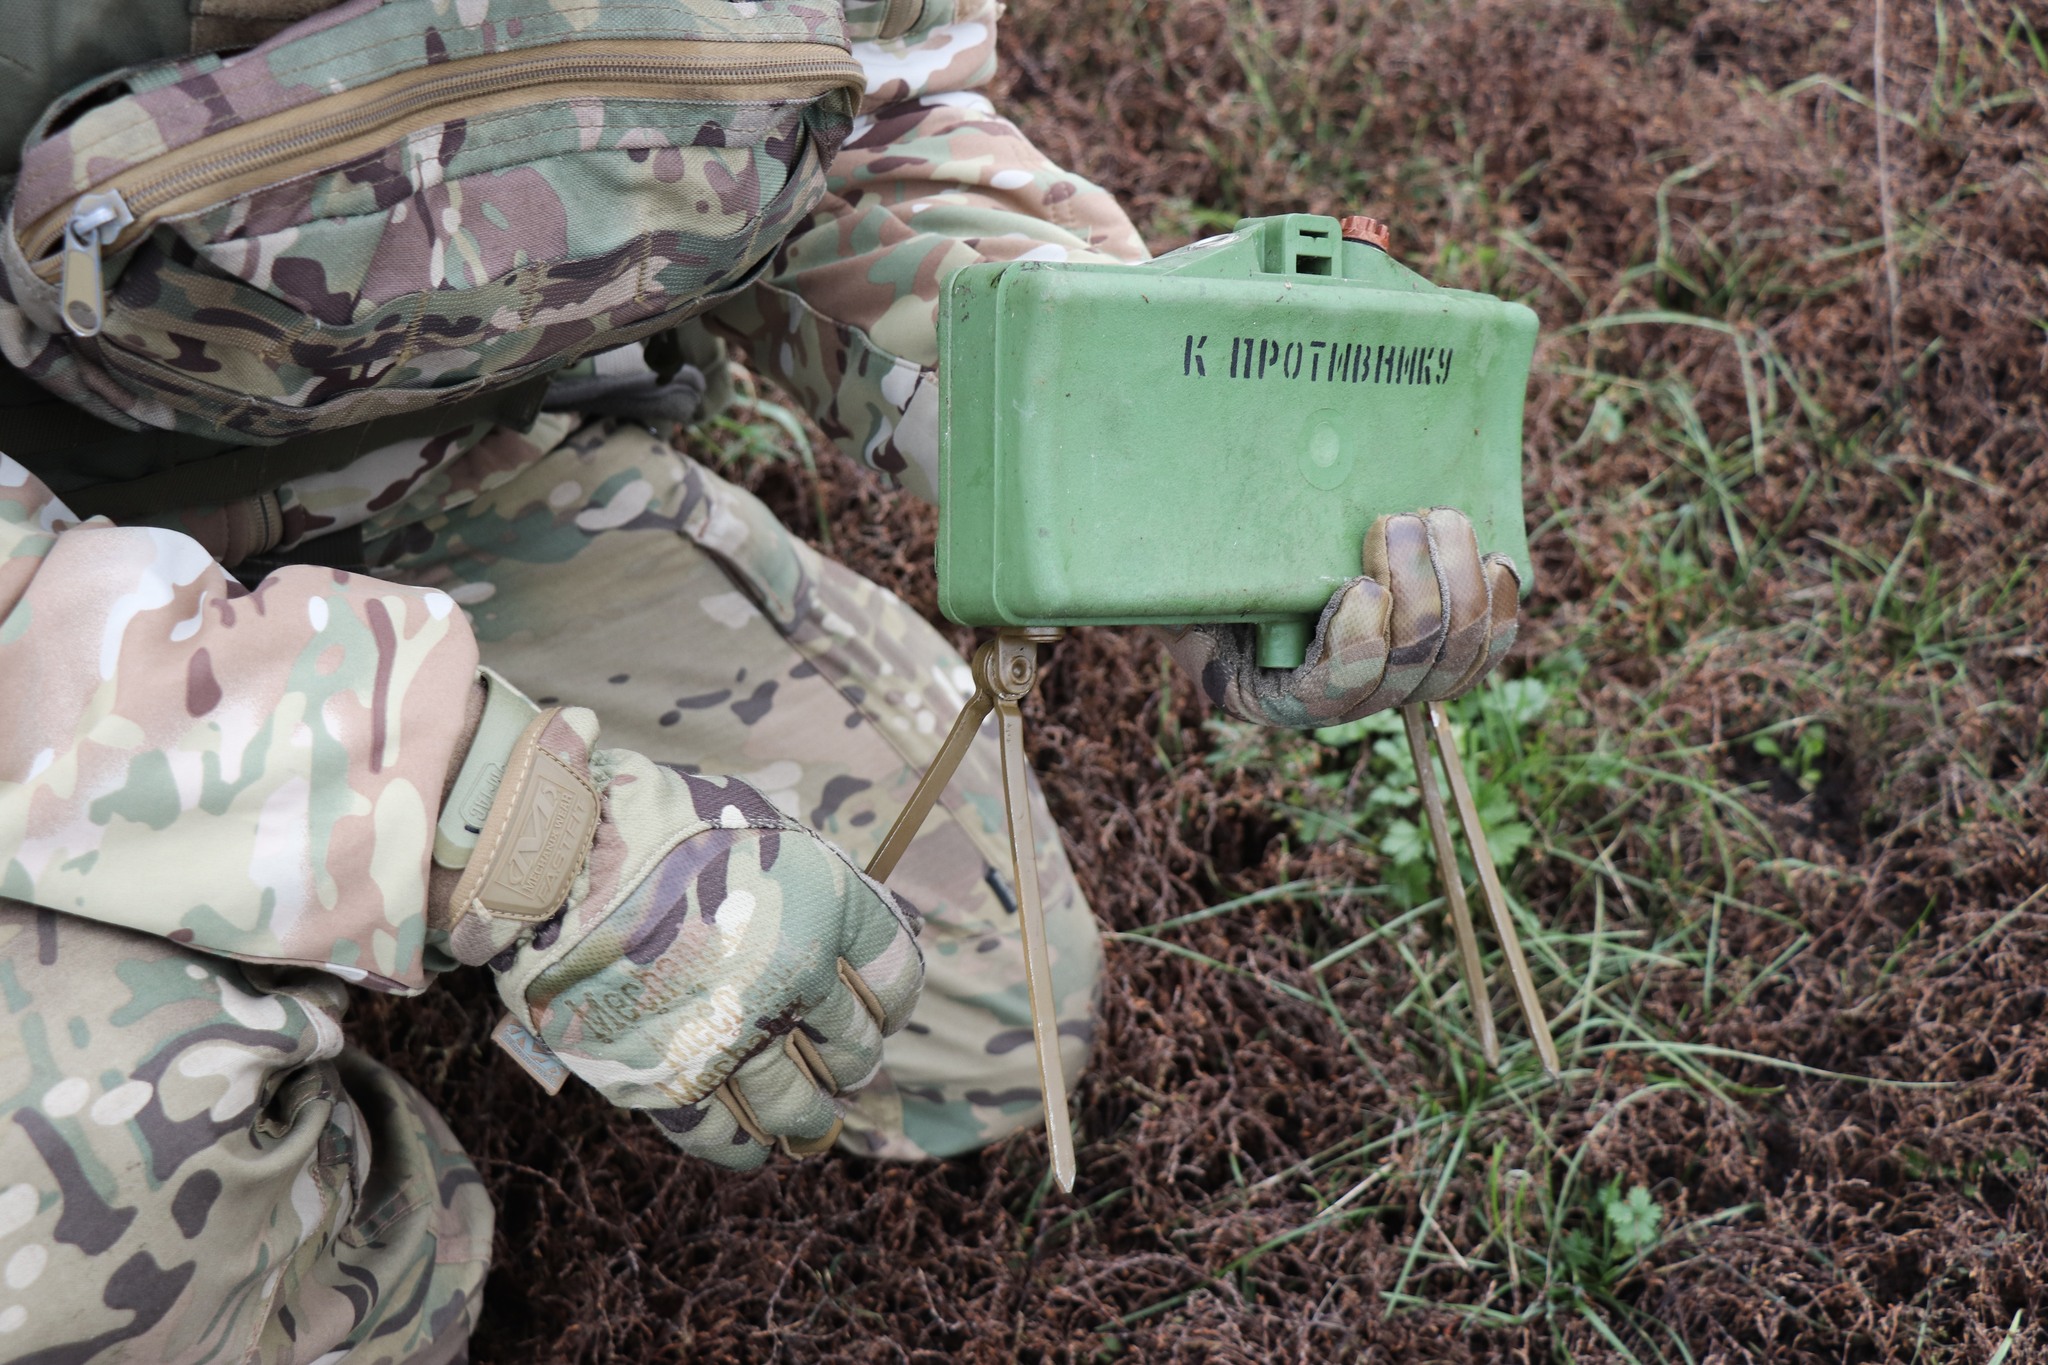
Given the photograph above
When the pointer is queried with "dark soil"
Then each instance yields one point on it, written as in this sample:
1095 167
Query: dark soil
1864 1224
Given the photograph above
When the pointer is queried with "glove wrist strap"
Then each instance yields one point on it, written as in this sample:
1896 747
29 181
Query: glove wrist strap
506 714
534 841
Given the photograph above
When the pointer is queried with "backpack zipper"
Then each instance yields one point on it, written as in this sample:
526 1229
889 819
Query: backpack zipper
96 219
288 144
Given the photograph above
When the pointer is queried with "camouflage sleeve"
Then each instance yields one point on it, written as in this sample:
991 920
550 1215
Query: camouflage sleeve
252 773
929 180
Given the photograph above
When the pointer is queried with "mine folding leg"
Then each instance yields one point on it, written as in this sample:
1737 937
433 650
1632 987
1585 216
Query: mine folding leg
1454 883
1005 670
1425 721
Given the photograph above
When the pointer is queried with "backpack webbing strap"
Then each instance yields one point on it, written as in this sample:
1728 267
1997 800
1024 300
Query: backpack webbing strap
70 445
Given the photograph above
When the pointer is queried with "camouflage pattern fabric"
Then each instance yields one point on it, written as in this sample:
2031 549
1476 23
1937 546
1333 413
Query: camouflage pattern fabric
156 714
243 23
314 505
250 773
883 19
1428 620
949 45
705 943
193 1167
845 316
98 642
825 692
615 575
520 216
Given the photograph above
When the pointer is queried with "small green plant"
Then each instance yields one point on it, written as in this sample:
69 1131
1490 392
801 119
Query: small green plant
1357 781
1386 813
1800 757
1633 1221
1624 1228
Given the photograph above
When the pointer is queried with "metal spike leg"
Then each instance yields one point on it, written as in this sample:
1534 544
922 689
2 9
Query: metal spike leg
1005 670
1454 883
1489 885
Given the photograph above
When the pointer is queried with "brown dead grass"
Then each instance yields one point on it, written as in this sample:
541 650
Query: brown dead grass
1885 1224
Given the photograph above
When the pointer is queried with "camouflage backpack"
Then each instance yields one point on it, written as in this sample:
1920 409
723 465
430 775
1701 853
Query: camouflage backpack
398 205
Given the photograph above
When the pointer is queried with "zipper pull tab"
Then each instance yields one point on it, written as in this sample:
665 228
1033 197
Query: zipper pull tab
96 220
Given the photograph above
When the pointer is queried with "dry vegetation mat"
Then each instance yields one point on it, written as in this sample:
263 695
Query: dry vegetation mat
1765 770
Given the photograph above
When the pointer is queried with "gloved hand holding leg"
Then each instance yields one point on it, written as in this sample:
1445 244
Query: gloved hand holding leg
676 940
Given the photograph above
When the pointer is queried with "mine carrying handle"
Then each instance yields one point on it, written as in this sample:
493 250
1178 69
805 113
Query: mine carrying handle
1005 670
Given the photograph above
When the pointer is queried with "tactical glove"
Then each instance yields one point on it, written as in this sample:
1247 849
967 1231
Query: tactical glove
1428 620
673 939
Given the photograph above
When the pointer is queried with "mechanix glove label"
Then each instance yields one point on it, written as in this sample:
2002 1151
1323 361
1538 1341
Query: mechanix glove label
535 838
554 814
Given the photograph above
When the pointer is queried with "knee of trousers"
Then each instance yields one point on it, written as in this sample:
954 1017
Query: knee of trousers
703 633
184 1163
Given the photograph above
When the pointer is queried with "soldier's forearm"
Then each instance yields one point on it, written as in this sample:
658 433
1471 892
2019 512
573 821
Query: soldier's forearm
253 773
931 179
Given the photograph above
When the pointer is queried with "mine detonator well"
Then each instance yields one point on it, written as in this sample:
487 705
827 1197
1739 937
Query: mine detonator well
1207 438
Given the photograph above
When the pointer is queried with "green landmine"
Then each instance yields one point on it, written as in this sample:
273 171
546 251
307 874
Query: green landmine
1206 437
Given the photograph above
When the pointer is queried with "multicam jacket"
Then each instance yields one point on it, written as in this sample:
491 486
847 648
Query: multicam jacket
256 773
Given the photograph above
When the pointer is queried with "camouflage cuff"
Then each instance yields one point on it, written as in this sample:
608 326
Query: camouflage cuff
506 715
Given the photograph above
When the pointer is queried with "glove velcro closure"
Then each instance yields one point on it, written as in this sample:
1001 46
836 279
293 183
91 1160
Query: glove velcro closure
534 843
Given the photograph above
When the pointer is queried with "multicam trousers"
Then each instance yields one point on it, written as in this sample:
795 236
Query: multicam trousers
193 1166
